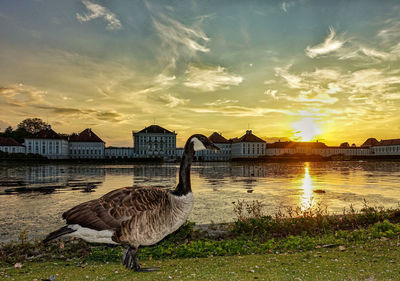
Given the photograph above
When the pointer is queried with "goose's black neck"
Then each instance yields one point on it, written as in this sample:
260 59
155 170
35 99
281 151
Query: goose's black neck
184 185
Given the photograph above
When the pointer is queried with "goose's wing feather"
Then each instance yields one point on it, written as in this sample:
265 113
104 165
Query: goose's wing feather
110 210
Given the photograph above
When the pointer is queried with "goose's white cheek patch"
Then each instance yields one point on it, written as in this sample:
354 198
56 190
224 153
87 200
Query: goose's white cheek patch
197 144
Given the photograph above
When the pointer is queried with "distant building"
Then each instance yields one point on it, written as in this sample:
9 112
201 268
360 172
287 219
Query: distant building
86 145
10 145
154 142
314 148
370 142
387 148
47 143
291 147
248 146
113 152
224 154
179 152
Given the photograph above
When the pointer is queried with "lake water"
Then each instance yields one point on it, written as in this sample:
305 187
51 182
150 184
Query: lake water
215 186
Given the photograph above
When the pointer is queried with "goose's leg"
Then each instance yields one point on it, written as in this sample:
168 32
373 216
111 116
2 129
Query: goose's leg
131 261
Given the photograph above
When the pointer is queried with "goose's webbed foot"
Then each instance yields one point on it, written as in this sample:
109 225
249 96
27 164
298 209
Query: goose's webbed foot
131 261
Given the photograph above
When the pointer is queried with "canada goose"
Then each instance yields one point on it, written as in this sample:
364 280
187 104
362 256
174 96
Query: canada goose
135 216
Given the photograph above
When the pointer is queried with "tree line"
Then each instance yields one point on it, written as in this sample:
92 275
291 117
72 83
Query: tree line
25 128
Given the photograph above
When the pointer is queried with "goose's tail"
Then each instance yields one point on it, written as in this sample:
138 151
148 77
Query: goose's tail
60 232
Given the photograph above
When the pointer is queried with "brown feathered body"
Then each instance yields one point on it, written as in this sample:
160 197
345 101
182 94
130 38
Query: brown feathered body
136 216
133 216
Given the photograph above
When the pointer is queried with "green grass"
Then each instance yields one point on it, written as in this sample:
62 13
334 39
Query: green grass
375 260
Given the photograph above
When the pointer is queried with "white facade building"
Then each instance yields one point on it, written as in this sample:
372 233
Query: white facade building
387 148
248 146
154 142
10 145
48 143
119 152
86 145
313 148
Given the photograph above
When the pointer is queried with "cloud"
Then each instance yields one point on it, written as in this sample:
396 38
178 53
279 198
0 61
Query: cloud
373 53
330 44
97 11
271 81
271 93
160 82
292 80
239 111
86 113
65 110
367 54
210 79
220 102
177 37
20 95
173 101
343 95
287 4
110 116
391 31
310 97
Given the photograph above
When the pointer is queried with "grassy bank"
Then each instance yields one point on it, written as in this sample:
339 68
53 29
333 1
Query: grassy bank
293 239
375 260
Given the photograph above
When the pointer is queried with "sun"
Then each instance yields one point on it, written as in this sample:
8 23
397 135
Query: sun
306 129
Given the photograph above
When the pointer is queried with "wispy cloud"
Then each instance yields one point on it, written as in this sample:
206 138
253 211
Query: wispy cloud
160 82
97 11
341 94
271 93
220 102
391 31
294 81
20 95
172 101
239 111
210 79
287 4
181 39
91 113
330 44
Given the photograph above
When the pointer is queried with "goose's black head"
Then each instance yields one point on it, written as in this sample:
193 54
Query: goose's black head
201 142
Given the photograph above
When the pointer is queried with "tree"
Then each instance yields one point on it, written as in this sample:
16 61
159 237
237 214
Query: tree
8 130
32 125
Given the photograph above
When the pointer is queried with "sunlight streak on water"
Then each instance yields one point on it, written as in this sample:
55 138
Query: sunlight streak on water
307 199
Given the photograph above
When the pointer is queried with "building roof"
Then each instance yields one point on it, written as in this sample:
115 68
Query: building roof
5 141
155 129
46 133
249 137
217 138
293 144
390 142
370 142
86 135
233 140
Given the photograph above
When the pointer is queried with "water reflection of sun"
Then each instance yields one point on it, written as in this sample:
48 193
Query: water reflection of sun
307 199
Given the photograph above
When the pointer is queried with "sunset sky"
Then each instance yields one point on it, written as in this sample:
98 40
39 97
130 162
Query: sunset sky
326 70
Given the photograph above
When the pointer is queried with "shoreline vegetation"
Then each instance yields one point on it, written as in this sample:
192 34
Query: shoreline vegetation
302 233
